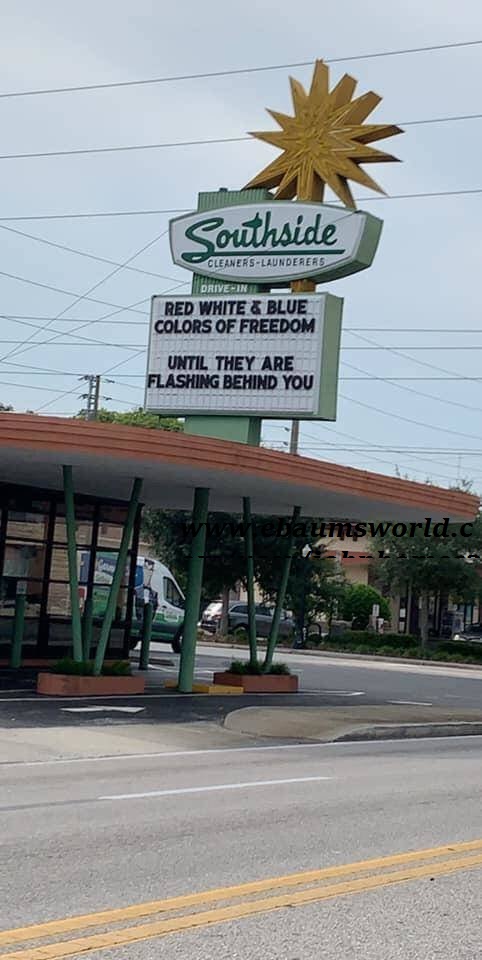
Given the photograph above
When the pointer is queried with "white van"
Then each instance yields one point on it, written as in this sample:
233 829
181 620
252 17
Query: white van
154 583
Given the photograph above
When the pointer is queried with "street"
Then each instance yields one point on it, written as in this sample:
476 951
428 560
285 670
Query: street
369 681
81 837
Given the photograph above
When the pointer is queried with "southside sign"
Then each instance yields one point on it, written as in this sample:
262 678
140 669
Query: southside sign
274 243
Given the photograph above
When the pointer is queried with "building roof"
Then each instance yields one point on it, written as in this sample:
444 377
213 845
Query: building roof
106 457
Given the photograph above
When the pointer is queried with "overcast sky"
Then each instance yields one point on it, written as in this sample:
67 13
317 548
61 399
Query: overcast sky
427 272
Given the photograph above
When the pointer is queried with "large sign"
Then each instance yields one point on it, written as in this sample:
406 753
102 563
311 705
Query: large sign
268 356
274 243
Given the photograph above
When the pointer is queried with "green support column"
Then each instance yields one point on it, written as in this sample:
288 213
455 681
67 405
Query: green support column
117 578
193 591
249 553
87 628
72 559
280 599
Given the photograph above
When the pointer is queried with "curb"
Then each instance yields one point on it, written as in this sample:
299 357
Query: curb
362 657
413 731
213 689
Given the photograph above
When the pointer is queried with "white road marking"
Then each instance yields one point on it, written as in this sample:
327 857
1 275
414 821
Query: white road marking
152 696
212 787
344 693
412 703
167 754
101 709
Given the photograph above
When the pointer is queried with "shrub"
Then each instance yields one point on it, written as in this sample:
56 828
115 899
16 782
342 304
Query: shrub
243 667
119 668
358 602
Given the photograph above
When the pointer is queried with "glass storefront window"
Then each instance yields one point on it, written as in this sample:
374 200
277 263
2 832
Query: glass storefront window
83 531
23 569
59 567
27 526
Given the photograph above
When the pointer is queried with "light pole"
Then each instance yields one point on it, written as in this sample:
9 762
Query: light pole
300 639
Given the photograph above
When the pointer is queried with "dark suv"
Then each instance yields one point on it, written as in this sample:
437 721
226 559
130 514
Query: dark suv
238 621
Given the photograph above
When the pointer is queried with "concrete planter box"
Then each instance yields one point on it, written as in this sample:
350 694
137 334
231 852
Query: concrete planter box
263 683
65 685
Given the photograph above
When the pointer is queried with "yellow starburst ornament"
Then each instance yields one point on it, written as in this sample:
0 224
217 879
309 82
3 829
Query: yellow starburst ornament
325 141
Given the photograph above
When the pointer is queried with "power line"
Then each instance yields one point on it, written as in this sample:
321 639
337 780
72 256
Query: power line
85 341
423 195
84 253
419 393
115 213
141 376
412 329
104 372
405 356
307 448
377 447
382 449
210 141
28 316
379 346
236 71
82 296
69 293
417 423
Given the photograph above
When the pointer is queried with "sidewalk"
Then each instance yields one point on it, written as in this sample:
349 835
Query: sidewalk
378 722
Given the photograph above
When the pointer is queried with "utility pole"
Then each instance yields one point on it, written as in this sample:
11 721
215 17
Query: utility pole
294 436
93 395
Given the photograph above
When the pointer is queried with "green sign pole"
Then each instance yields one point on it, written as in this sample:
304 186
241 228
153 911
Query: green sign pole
240 429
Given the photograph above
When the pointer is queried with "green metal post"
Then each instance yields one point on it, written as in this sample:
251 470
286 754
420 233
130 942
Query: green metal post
280 599
249 553
18 627
146 636
193 592
87 628
117 578
72 559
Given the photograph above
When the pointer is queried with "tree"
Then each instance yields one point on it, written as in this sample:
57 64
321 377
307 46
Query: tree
315 583
6 408
169 532
358 602
432 565
137 418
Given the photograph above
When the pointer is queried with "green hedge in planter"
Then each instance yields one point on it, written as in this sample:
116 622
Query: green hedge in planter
243 668
72 668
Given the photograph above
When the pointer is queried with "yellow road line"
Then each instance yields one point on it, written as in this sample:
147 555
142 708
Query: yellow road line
138 910
149 931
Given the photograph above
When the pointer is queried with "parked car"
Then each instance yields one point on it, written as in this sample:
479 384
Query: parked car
238 619
472 634
211 616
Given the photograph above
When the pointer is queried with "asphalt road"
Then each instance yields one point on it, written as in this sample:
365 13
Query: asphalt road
323 682
367 681
79 837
